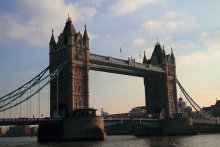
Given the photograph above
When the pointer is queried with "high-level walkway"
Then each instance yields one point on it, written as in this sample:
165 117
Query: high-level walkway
120 66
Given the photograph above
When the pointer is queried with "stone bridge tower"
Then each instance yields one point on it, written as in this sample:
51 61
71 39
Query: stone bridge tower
160 89
72 87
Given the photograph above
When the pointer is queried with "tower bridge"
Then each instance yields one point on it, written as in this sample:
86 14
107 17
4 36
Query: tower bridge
70 61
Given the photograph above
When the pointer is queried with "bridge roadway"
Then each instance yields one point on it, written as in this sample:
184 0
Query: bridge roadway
120 66
203 121
107 121
29 121
152 123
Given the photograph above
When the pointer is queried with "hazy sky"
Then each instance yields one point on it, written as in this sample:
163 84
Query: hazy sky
192 28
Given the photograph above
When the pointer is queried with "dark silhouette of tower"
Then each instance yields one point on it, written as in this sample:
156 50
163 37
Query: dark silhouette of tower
160 89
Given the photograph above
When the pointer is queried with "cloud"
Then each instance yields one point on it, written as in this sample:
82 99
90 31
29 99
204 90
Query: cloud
170 22
139 42
29 73
33 20
128 6
193 58
211 39
199 70
93 36
97 2
207 50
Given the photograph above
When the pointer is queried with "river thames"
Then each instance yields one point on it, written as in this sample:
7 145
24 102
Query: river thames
204 140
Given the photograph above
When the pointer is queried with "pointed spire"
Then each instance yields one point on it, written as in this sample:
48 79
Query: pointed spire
144 58
69 28
52 39
68 18
157 43
164 53
172 55
85 35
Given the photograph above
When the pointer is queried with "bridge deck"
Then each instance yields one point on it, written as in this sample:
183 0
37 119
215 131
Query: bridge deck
29 121
203 121
152 123
120 66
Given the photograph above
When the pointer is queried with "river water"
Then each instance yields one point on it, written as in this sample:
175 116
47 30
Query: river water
206 140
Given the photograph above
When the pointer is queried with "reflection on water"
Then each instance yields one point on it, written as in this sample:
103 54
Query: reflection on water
207 140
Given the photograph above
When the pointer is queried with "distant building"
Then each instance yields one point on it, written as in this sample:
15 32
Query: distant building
138 111
181 104
183 108
213 109
216 109
14 131
103 113
1 134
33 131
3 131
119 115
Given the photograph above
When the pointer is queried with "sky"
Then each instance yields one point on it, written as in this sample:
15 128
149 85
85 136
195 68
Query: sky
191 28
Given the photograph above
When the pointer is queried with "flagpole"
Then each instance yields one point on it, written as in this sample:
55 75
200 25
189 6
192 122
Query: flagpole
120 52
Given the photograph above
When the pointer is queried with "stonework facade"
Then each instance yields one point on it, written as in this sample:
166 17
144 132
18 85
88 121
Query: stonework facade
160 89
73 81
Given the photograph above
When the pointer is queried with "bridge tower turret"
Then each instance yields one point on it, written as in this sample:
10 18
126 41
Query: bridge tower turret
73 83
144 58
87 66
52 45
160 89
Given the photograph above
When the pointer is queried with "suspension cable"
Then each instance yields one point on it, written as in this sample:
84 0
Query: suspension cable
48 93
38 101
30 106
20 92
194 104
20 105
57 93
16 108
10 106
27 105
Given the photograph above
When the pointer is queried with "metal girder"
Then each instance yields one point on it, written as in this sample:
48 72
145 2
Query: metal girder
125 67
117 70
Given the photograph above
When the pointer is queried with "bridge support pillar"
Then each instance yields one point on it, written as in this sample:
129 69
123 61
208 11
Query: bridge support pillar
178 126
84 125
50 133
83 128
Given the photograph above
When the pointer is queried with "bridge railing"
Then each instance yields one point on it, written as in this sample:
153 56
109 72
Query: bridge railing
206 121
154 123
29 121
123 63
127 118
